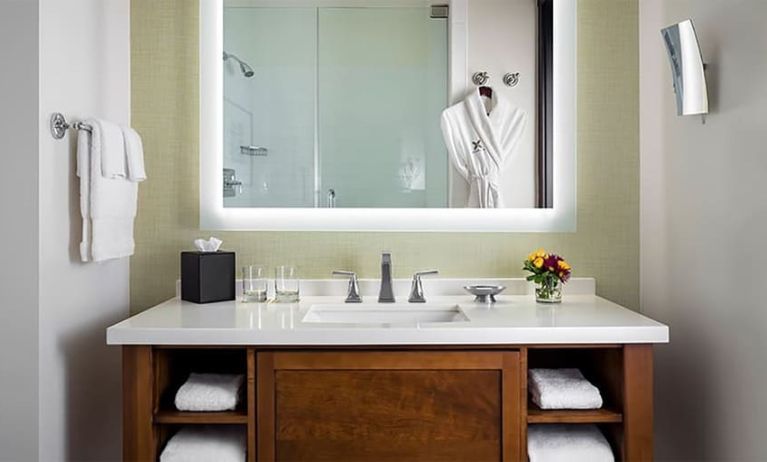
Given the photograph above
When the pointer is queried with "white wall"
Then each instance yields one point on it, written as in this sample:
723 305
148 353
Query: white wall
18 209
703 230
503 37
84 72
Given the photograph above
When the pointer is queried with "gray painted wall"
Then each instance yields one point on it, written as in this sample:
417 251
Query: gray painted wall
19 209
60 385
80 376
703 230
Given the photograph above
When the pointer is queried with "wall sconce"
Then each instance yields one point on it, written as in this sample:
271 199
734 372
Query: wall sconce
687 68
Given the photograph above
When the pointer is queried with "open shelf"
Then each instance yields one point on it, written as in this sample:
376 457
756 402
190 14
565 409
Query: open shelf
192 418
536 415
172 368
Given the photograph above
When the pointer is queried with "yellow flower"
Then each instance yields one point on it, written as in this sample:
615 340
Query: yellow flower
564 265
538 262
540 253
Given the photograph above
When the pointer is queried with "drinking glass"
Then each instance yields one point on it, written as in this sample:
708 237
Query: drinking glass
254 283
286 284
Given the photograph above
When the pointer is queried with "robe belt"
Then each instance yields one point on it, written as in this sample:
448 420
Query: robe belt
487 190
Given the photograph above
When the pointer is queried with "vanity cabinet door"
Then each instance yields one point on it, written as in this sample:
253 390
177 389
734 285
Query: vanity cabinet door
389 406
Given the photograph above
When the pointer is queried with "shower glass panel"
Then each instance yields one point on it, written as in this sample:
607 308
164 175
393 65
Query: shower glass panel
382 87
341 99
269 118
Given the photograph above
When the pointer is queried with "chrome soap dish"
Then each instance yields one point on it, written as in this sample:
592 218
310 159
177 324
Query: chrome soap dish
484 293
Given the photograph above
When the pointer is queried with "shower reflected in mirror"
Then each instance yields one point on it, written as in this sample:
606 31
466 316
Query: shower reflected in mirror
245 68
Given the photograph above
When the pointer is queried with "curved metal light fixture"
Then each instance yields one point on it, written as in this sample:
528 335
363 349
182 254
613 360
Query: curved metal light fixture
687 68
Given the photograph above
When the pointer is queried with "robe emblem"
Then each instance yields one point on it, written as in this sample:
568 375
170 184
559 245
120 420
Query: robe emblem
477 146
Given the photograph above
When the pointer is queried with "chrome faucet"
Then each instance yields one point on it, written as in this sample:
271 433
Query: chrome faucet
353 294
386 294
416 288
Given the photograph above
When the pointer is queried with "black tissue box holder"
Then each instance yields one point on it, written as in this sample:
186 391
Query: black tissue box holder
207 277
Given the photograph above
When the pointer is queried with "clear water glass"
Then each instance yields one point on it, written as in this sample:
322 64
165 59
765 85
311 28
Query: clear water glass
286 284
254 283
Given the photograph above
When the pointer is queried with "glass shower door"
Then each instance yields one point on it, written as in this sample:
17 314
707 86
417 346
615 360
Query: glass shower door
382 84
269 116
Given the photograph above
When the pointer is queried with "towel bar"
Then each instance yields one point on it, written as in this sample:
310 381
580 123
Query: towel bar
59 126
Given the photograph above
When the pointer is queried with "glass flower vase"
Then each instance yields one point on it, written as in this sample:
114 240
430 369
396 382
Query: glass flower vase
549 291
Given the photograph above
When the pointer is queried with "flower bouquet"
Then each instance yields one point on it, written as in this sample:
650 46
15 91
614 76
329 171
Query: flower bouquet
549 272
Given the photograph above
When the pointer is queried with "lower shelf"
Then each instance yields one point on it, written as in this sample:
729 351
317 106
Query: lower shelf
536 415
183 417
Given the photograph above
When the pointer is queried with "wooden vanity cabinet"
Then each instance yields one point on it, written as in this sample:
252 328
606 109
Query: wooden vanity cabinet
387 404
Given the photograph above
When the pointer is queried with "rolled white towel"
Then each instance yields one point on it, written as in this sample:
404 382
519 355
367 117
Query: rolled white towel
573 443
206 443
209 392
562 389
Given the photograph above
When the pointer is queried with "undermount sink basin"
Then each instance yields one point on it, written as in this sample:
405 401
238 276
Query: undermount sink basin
384 314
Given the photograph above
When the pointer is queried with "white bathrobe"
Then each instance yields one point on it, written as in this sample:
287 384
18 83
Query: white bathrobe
479 144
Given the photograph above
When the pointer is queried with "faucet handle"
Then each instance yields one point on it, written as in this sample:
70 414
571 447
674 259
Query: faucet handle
425 273
416 288
353 295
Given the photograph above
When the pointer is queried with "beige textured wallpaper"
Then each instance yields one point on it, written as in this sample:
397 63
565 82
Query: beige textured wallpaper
164 35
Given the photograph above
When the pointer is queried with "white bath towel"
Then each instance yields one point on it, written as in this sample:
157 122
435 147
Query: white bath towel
209 392
480 136
107 205
562 389
110 145
206 443
571 443
134 154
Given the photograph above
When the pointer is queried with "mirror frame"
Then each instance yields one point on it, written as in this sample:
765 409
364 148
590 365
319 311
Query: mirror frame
560 218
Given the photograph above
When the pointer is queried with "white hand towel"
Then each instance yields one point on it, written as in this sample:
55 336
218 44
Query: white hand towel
209 392
134 152
562 389
571 443
109 140
84 173
107 205
206 443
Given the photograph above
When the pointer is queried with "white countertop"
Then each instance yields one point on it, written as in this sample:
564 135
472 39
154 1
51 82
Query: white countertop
513 320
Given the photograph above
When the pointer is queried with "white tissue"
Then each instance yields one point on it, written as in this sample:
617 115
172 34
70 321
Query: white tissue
211 245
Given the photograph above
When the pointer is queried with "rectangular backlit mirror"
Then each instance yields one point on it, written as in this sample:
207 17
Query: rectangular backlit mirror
387 115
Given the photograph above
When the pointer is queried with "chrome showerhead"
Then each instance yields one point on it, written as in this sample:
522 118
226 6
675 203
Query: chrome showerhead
247 71
245 68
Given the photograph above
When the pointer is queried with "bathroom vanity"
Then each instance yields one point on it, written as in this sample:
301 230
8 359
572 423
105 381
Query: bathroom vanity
441 380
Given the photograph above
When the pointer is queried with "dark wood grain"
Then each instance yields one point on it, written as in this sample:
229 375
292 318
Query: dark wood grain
139 439
638 403
511 402
251 404
265 420
536 415
523 403
365 360
389 406
396 403
199 418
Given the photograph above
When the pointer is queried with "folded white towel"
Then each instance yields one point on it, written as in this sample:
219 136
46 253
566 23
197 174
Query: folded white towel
206 443
107 205
134 153
209 392
110 143
562 389
571 443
